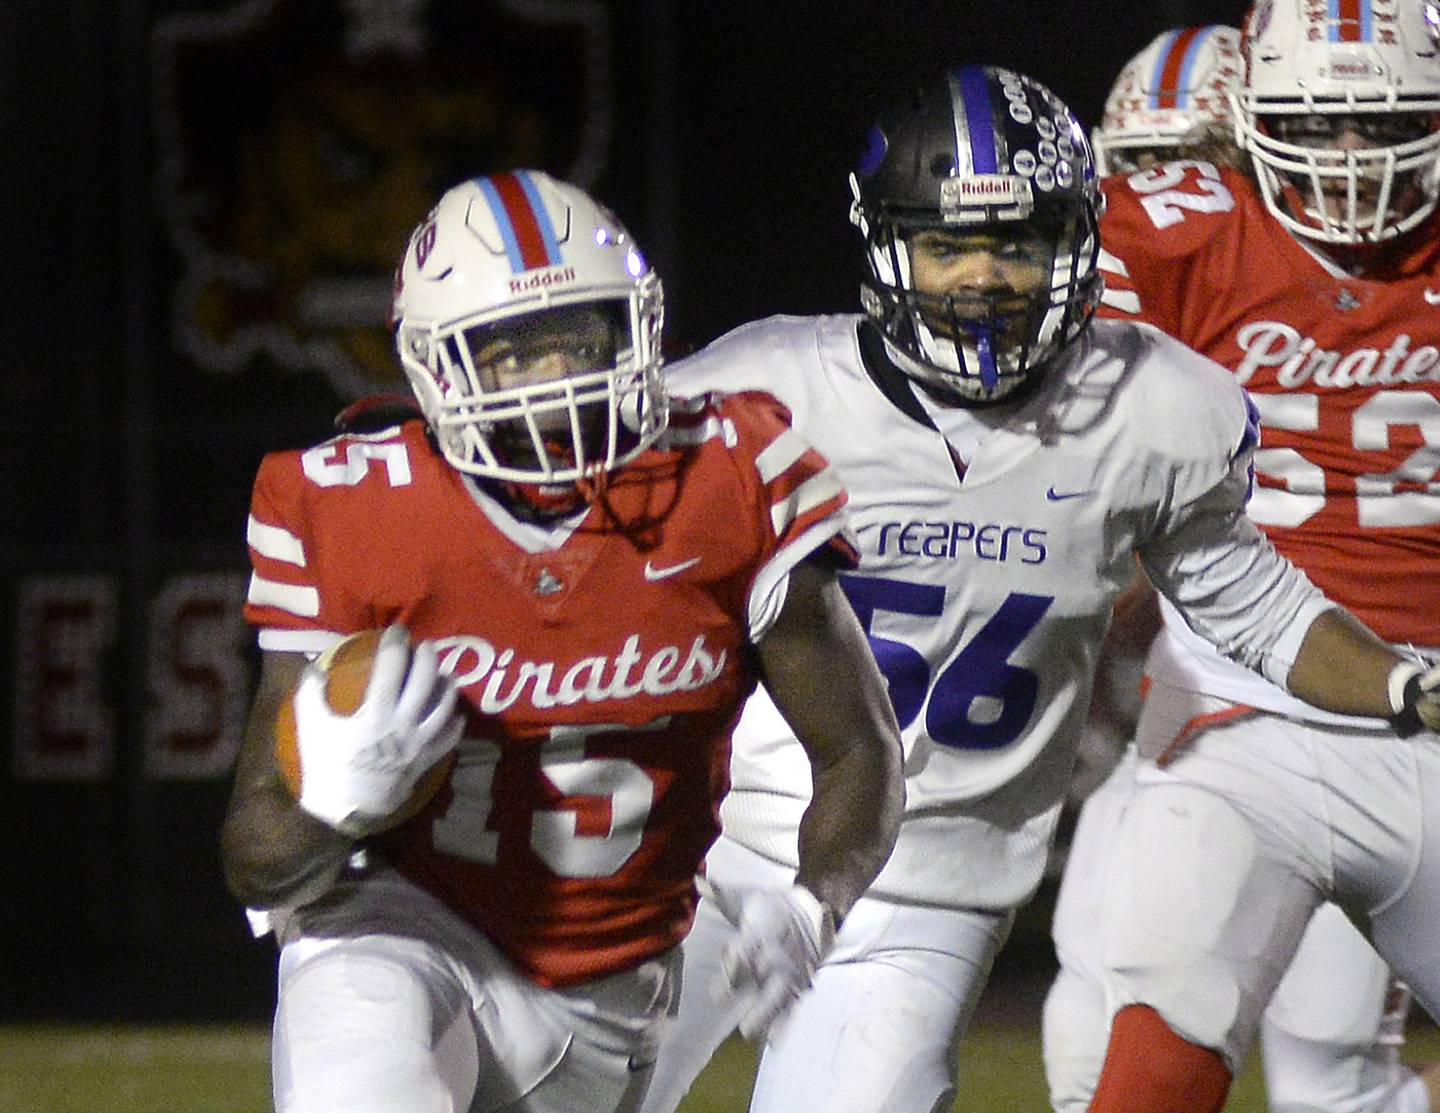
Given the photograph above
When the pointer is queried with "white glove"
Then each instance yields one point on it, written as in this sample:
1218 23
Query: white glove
1414 697
358 769
783 936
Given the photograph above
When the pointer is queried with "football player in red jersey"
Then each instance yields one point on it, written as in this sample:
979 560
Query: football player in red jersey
594 578
1331 1034
1312 282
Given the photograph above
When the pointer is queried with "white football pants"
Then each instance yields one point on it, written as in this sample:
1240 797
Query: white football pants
878 1030
1206 889
388 1001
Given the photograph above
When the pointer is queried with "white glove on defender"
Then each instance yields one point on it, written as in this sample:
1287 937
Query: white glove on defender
1415 698
358 769
784 935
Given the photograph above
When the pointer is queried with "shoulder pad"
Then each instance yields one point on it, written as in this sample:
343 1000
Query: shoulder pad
1172 208
375 412
759 355
1190 405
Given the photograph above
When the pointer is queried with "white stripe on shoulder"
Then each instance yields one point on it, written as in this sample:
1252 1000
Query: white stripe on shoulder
779 454
1113 263
274 542
301 601
1127 301
309 642
810 494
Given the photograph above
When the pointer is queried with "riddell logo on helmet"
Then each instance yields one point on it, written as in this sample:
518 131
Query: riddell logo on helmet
551 277
984 189
1348 69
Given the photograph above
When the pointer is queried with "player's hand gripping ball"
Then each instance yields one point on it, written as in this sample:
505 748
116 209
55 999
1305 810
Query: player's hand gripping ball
368 735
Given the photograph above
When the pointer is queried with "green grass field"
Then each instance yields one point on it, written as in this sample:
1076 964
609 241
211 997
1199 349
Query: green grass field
47 1069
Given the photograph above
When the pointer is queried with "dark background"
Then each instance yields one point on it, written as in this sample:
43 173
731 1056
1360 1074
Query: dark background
725 135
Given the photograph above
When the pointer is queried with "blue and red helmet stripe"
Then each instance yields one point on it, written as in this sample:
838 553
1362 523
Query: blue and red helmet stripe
1351 21
1171 78
524 224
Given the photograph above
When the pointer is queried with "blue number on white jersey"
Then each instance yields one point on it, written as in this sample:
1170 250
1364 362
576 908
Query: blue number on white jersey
980 672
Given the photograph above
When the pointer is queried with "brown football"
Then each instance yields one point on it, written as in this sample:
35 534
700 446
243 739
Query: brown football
347 666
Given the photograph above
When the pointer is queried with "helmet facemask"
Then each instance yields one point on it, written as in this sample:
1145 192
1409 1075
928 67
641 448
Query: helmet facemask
980 342
529 326
551 396
1378 187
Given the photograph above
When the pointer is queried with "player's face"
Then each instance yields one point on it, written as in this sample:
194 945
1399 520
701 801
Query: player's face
1346 141
536 350
545 347
986 274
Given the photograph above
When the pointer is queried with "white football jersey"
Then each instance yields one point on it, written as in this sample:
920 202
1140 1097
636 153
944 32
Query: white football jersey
993 542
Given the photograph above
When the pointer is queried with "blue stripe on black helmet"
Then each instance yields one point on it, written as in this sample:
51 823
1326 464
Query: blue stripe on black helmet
982 149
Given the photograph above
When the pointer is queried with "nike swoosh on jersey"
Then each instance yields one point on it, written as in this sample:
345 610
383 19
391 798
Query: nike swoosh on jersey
652 573
1432 296
1060 496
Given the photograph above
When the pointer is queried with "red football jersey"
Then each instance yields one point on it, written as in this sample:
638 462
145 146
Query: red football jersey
603 667
1345 373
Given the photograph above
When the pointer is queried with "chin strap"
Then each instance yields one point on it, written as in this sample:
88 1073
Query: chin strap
593 485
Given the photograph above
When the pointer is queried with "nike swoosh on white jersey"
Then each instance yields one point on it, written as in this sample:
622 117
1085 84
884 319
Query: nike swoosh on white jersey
652 573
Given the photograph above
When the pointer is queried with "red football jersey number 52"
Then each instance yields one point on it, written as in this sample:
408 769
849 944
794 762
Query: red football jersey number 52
1167 205
1406 496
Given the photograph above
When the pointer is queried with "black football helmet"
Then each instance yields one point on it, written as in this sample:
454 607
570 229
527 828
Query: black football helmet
981 147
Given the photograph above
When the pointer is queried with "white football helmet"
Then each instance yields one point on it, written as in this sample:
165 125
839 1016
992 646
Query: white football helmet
1167 96
1372 64
520 261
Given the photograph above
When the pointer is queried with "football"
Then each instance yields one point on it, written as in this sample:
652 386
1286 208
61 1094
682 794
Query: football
346 666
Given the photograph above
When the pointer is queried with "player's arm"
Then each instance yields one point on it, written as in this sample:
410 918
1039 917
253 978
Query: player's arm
1115 697
1342 666
356 768
823 678
273 852
1258 608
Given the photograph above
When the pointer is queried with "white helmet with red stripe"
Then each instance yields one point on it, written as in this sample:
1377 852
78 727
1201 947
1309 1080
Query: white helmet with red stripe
1340 112
1167 96
519 270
